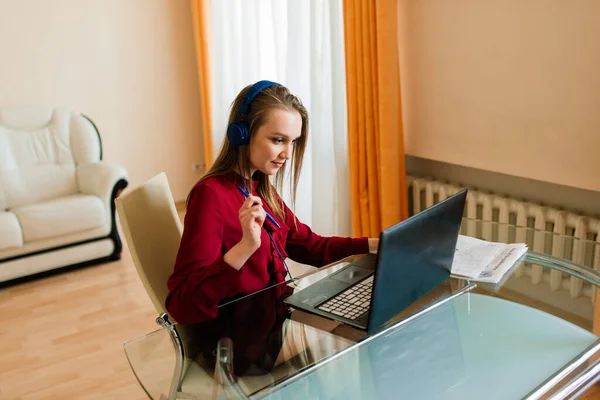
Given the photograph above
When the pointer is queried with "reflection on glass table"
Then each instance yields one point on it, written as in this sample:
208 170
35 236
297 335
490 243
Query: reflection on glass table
530 336
254 339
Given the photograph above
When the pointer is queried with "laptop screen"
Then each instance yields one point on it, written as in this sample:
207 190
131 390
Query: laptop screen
414 257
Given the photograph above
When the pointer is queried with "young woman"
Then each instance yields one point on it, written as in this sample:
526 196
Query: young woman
237 230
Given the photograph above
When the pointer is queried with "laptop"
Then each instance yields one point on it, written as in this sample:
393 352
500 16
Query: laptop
413 258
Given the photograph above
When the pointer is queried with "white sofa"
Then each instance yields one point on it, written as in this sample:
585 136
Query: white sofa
56 194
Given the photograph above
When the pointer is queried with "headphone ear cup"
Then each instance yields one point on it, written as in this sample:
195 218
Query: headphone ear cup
238 134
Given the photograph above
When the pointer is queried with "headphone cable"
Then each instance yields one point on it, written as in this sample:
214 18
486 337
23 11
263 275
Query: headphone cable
280 255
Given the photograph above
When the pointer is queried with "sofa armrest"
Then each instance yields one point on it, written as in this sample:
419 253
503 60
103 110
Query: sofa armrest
102 179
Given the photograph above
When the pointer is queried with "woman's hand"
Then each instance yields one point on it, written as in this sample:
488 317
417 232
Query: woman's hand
252 217
373 245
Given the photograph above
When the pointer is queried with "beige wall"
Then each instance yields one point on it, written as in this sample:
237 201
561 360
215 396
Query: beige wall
127 64
509 86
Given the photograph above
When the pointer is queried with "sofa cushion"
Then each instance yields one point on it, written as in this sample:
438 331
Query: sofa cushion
36 161
60 216
10 231
53 243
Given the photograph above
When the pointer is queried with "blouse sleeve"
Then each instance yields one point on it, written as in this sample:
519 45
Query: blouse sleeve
306 247
201 278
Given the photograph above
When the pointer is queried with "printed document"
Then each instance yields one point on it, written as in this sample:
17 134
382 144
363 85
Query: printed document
484 261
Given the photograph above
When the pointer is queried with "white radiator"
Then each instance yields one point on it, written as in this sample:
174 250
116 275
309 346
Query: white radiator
518 213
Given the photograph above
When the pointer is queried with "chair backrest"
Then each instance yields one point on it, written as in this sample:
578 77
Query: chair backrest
153 232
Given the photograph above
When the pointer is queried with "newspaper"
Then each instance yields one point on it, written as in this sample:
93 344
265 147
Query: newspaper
484 261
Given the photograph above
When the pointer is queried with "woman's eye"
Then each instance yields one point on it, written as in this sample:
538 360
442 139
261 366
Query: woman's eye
278 141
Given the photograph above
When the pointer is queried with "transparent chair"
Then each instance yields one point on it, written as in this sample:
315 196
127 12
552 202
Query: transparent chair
153 232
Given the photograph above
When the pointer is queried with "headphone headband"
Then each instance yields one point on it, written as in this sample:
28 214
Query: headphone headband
238 132
252 93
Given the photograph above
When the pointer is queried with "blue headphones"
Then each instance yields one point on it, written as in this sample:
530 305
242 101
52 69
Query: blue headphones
238 132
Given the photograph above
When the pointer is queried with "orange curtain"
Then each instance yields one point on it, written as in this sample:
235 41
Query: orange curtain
596 327
375 137
201 21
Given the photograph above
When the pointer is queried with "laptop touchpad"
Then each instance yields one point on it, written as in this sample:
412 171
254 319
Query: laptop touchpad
351 274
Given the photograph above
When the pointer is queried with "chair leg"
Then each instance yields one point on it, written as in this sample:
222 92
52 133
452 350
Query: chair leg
224 375
163 320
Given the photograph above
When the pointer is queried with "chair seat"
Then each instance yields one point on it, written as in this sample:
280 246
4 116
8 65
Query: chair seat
200 381
61 216
11 234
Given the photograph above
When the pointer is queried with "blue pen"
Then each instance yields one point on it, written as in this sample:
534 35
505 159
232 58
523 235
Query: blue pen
268 215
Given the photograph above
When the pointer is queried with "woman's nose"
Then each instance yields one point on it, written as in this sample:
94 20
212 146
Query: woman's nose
287 153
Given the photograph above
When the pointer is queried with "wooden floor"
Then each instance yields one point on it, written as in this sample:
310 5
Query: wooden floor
62 336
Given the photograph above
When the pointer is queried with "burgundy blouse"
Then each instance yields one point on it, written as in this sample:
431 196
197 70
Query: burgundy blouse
201 279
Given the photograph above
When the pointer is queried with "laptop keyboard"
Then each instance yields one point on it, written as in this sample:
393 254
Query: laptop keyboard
352 302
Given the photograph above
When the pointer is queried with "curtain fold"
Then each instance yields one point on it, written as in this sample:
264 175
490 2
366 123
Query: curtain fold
375 136
201 26
596 318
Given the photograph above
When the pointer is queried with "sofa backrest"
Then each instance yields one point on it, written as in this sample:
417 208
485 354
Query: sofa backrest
39 152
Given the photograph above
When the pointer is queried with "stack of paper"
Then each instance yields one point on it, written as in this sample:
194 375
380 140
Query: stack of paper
483 261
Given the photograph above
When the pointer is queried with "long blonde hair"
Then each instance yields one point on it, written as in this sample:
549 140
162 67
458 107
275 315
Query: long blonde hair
274 97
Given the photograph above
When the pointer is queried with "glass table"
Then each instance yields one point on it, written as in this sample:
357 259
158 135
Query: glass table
529 336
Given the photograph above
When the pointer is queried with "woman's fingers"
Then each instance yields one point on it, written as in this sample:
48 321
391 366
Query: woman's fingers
249 211
260 216
252 201
251 204
252 216
257 215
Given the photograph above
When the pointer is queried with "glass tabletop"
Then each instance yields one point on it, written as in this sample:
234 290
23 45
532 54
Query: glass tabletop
532 333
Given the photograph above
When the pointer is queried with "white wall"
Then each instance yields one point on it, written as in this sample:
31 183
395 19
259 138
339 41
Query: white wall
127 64
508 86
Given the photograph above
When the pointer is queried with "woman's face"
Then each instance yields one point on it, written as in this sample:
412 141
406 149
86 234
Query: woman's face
273 143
